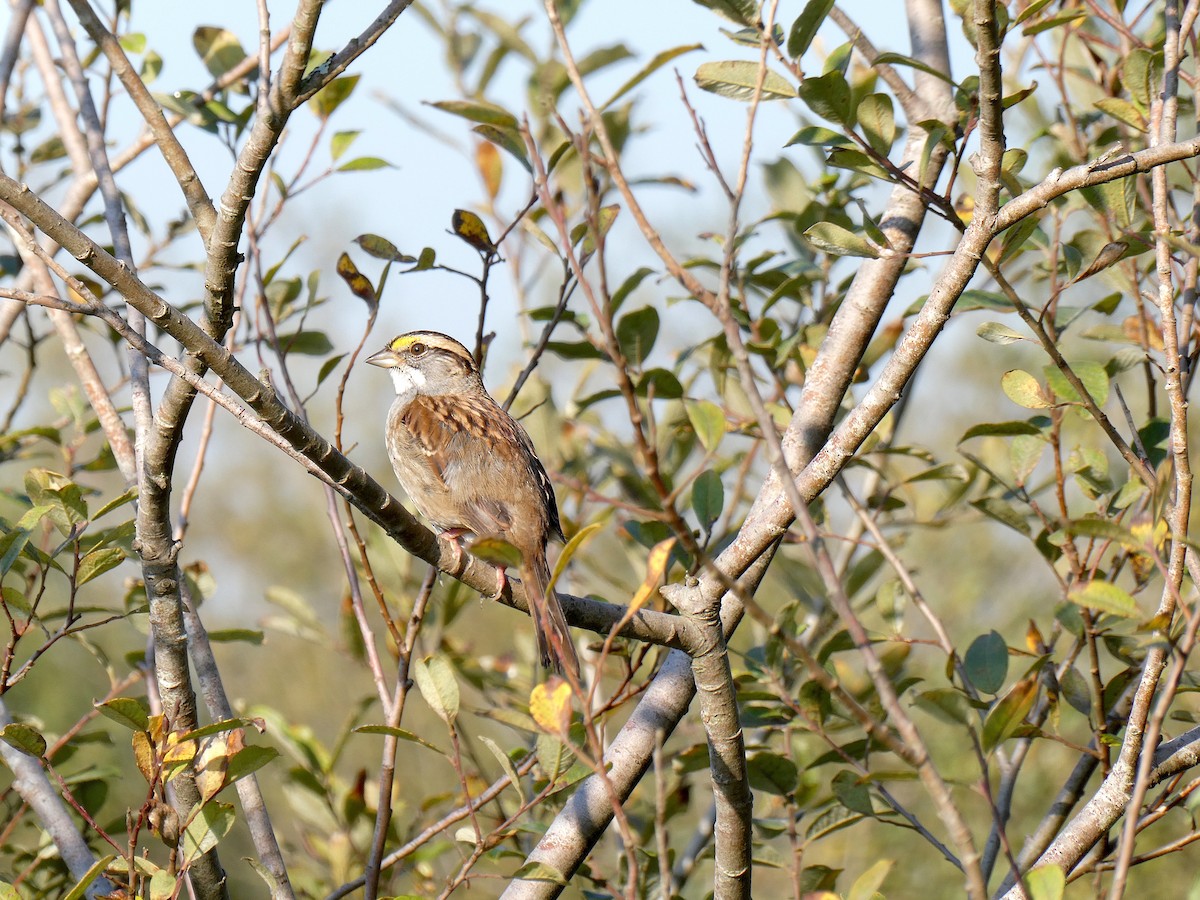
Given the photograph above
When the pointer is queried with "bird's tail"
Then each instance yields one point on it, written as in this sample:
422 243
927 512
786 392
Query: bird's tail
554 644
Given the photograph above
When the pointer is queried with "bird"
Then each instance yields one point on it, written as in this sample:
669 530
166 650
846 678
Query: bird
470 468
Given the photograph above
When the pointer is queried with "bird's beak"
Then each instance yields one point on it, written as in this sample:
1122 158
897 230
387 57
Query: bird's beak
385 359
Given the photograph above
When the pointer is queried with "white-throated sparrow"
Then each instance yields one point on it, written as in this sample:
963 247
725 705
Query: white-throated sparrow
468 466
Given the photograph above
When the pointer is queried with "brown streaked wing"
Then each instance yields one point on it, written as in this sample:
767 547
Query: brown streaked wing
436 422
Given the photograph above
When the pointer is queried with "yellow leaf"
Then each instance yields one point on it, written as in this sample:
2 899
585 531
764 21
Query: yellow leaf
143 755
471 229
550 705
656 566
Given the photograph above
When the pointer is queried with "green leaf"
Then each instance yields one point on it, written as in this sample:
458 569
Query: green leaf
741 12
132 42
365 164
1024 390
506 764
708 421
1104 529
479 111
97 563
333 95
435 680
574 350
986 662
497 551
708 498
1009 712
231 635
772 773
628 286
309 343
340 143
636 333
838 241
804 29
1004 513
737 80
1105 597
1046 883
949 705
540 871
819 136
400 733
899 59
208 825
24 738
79 891
998 334
658 61
878 122
999 429
127 711
1092 375
866 886
829 97
973 299
852 793
218 48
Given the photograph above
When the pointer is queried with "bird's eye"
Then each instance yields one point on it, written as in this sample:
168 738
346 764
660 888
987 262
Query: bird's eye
417 349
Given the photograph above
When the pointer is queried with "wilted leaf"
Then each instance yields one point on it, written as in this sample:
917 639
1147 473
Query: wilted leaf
359 284
471 229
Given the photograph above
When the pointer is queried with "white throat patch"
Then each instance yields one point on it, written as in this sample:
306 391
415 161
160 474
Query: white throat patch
407 378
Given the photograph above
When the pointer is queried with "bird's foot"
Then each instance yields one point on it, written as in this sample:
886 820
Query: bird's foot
501 582
453 537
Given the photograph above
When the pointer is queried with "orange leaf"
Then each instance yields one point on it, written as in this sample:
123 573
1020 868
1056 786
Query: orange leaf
487 159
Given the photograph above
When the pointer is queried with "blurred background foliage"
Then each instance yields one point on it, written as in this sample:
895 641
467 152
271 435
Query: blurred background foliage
974 478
